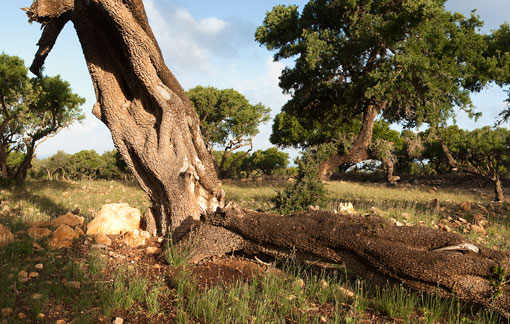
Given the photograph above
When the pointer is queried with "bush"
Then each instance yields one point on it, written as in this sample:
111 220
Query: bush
308 189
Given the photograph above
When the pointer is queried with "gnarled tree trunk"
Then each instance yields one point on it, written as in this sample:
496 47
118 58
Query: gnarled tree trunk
359 150
152 122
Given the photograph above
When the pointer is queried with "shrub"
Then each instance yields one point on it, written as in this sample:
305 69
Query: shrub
308 189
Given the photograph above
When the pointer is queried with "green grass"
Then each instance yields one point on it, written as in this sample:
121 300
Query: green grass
297 294
44 200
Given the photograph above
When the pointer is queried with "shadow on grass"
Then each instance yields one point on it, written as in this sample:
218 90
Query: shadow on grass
28 192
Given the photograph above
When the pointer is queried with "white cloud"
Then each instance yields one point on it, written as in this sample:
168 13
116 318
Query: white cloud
191 44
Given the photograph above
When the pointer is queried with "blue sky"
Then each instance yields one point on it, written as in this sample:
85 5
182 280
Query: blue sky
204 43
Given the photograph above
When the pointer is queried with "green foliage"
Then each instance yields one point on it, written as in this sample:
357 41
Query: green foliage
413 61
32 110
233 165
308 189
226 115
178 254
268 161
86 164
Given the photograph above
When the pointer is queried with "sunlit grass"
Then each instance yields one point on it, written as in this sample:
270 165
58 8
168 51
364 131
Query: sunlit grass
43 200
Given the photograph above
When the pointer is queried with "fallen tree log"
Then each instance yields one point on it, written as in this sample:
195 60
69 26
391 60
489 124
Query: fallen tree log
424 259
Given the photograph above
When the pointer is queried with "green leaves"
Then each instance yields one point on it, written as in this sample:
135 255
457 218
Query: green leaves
412 58
226 114
31 110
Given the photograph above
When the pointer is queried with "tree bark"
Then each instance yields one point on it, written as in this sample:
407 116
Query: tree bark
152 122
359 150
390 168
424 259
498 190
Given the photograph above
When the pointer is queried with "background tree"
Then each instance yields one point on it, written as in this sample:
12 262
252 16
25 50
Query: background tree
32 110
484 152
56 164
268 161
408 61
227 119
14 87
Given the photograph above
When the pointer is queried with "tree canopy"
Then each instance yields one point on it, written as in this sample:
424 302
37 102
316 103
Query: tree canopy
407 61
227 118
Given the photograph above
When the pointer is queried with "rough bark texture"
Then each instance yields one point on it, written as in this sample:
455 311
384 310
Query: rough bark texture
152 122
359 150
498 190
376 249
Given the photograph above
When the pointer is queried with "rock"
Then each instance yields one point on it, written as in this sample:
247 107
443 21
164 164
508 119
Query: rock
133 240
118 320
465 206
324 284
6 312
103 239
68 219
6 235
22 316
63 237
114 219
23 276
300 283
38 233
152 249
39 266
36 246
156 266
40 316
406 216
60 322
33 274
346 208
98 246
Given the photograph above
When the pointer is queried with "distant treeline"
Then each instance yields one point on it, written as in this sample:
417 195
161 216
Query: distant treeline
88 164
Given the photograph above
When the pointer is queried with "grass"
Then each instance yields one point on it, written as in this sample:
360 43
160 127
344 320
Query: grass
294 294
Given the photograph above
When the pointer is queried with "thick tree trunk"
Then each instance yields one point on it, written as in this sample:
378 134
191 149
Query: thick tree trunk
359 150
153 124
22 171
498 190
